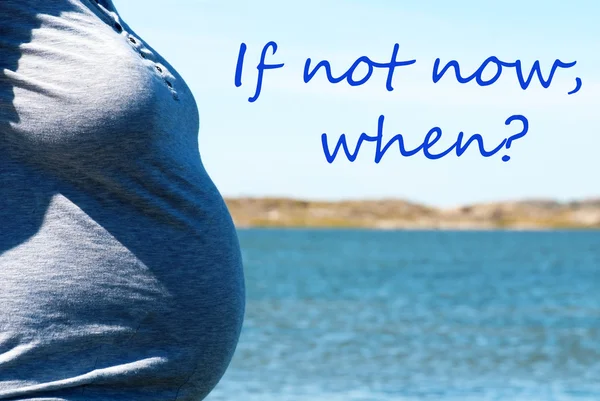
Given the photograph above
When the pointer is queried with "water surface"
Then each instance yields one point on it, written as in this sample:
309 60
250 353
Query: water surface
359 315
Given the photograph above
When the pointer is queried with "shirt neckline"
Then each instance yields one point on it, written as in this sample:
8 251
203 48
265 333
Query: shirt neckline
107 4
108 12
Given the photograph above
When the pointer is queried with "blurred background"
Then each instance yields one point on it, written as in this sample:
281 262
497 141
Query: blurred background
412 279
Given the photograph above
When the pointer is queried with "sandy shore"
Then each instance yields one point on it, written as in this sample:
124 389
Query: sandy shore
400 214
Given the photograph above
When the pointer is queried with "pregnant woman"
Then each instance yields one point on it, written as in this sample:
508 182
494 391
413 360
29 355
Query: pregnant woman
120 269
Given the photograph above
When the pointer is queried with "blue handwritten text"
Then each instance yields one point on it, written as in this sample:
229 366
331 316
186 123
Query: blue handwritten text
432 137
524 82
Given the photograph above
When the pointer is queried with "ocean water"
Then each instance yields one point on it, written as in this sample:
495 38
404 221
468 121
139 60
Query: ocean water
359 315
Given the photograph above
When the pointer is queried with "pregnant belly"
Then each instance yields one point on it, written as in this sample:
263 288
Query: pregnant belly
109 298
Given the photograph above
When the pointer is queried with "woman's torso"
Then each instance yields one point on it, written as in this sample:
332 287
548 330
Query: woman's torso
120 270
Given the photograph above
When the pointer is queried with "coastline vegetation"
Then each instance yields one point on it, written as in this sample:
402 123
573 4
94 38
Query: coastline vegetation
401 214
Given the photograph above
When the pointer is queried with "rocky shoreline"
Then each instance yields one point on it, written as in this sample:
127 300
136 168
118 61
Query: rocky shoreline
400 214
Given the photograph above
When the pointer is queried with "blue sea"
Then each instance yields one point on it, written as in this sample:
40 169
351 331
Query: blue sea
360 315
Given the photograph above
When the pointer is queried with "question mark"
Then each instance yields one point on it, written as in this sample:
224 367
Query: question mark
521 134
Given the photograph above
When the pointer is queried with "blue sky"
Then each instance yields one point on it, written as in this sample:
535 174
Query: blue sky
273 147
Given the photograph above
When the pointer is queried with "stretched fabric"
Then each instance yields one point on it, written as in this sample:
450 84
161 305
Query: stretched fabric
120 269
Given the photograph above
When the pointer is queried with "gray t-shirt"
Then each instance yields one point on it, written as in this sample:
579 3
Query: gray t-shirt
120 269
